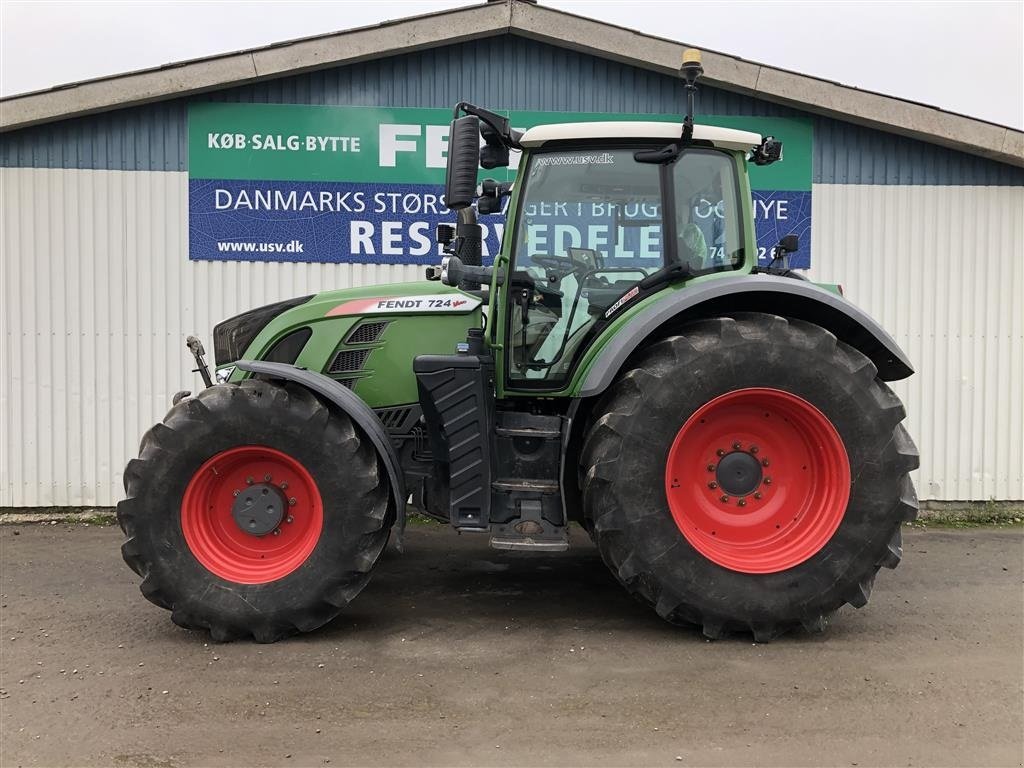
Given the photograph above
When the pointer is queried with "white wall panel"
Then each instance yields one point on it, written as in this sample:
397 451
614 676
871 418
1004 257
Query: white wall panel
98 295
942 268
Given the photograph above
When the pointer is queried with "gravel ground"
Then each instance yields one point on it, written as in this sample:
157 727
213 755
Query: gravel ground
459 655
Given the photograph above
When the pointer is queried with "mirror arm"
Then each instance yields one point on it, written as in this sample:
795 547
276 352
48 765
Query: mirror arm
787 245
509 137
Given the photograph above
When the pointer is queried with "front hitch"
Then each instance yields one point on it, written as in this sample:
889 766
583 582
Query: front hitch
195 346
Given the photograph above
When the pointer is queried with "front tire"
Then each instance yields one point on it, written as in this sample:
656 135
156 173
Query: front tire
254 510
749 473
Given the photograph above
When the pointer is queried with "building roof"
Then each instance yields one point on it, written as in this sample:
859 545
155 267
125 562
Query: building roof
526 19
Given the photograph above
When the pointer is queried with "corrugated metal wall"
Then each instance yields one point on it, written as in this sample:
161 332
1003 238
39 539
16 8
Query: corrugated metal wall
98 295
941 269
98 292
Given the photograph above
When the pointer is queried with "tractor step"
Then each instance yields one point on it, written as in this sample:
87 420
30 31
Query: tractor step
530 531
521 542
526 500
540 434
525 485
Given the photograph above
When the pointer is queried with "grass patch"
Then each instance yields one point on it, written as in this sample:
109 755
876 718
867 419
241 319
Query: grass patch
971 514
415 518
98 518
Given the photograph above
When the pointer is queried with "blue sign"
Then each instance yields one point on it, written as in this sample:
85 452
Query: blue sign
299 183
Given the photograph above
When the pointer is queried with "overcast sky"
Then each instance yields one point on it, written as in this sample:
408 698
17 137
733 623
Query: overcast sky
963 56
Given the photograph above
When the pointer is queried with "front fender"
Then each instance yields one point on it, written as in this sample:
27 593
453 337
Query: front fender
796 299
363 416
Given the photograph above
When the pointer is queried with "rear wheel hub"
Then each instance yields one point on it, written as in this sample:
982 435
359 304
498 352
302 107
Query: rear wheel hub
738 473
757 480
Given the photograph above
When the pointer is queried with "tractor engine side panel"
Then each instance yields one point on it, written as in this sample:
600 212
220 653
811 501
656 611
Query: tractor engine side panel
369 351
380 371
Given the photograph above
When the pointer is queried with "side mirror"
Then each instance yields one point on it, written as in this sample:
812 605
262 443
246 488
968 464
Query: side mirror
491 194
767 152
463 162
494 153
788 244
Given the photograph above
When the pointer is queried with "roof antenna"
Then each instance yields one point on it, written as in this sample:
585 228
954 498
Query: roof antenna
691 72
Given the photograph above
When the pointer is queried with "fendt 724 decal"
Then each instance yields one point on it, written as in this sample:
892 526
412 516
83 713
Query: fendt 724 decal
390 305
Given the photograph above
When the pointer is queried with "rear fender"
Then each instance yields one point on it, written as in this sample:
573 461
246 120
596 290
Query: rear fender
790 298
363 416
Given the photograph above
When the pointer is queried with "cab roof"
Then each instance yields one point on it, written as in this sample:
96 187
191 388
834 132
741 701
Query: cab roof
726 138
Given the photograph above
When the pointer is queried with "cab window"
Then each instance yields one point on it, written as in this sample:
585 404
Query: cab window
707 211
589 228
591 225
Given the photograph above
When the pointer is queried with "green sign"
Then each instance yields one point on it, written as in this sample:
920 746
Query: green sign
291 142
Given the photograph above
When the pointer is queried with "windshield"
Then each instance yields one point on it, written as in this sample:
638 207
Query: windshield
590 226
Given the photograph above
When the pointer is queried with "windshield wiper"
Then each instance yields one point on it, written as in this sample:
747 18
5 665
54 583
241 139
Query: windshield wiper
667 274
659 156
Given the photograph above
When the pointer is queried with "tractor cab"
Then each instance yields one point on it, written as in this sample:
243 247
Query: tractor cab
596 226
602 216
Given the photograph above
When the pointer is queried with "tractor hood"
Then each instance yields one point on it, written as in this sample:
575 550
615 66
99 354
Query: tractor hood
364 337
233 337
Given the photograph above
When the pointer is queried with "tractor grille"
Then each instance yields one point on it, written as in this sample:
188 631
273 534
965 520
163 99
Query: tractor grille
348 360
350 383
366 332
392 418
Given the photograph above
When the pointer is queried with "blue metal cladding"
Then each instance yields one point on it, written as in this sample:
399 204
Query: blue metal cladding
507 72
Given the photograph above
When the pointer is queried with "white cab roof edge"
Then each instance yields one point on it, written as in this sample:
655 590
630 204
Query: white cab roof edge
726 138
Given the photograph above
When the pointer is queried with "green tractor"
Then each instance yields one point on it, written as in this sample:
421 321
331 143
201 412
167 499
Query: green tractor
722 430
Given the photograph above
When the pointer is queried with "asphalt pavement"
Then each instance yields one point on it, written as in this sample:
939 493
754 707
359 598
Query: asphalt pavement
459 655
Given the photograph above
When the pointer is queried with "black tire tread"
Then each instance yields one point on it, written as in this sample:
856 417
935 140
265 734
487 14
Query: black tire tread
603 445
191 416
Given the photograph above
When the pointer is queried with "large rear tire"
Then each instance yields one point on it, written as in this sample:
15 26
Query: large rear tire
254 510
749 474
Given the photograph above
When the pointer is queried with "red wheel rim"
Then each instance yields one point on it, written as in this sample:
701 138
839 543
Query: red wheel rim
217 540
758 480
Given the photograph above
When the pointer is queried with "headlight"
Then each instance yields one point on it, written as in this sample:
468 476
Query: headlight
223 374
232 337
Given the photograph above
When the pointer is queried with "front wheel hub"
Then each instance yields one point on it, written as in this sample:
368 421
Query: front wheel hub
251 532
259 509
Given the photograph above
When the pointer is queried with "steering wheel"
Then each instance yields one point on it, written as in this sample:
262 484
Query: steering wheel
541 287
554 263
522 279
